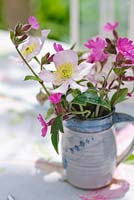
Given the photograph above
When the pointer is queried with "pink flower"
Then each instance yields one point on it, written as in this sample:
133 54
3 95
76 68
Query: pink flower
97 46
97 56
126 48
110 27
58 47
44 124
130 95
33 22
55 98
98 43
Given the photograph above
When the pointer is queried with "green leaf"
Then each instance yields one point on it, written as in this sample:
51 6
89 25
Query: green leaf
119 96
56 127
30 77
90 97
119 71
12 36
130 159
49 113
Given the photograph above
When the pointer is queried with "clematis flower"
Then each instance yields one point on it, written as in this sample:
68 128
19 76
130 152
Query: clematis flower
126 48
33 22
97 46
58 47
98 72
33 46
55 98
44 124
67 73
110 27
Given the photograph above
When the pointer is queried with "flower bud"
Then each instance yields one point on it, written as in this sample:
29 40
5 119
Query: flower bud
24 37
41 97
26 27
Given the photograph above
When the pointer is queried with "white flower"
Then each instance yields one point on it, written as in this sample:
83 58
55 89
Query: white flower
67 73
33 45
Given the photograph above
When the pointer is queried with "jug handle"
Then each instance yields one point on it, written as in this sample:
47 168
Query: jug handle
122 117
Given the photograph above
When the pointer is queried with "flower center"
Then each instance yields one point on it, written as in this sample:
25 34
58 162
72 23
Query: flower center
29 49
65 71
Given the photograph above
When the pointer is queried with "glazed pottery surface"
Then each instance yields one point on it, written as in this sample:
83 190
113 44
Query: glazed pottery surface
89 150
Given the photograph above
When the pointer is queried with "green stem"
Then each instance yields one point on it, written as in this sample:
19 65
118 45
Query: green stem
37 60
107 76
97 111
79 112
30 68
82 110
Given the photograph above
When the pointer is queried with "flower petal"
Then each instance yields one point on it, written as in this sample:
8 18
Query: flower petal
31 48
46 76
44 131
55 98
81 71
33 22
44 34
63 88
74 85
66 56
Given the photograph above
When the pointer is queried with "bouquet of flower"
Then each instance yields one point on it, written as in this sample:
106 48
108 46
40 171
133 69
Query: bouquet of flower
83 84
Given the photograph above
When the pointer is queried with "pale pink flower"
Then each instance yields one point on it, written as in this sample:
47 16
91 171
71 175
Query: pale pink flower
97 46
67 73
44 124
126 48
33 45
58 47
110 27
98 72
33 22
55 98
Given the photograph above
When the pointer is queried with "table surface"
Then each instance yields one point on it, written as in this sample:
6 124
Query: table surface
23 153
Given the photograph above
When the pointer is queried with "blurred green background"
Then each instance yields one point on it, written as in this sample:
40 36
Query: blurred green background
54 14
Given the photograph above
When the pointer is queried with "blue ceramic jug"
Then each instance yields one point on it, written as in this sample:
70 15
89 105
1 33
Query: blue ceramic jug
89 151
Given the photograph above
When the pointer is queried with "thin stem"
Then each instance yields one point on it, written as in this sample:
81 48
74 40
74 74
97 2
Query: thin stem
97 111
30 68
37 60
81 109
26 62
79 112
107 76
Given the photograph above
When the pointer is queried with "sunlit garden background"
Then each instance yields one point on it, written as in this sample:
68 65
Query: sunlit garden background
55 15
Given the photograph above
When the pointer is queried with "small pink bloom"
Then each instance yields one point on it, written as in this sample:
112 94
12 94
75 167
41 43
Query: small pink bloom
33 22
97 46
98 43
97 56
55 98
58 47
110 27
126 48
44 124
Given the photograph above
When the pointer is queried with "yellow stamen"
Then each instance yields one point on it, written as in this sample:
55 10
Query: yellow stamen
29 49
65 71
